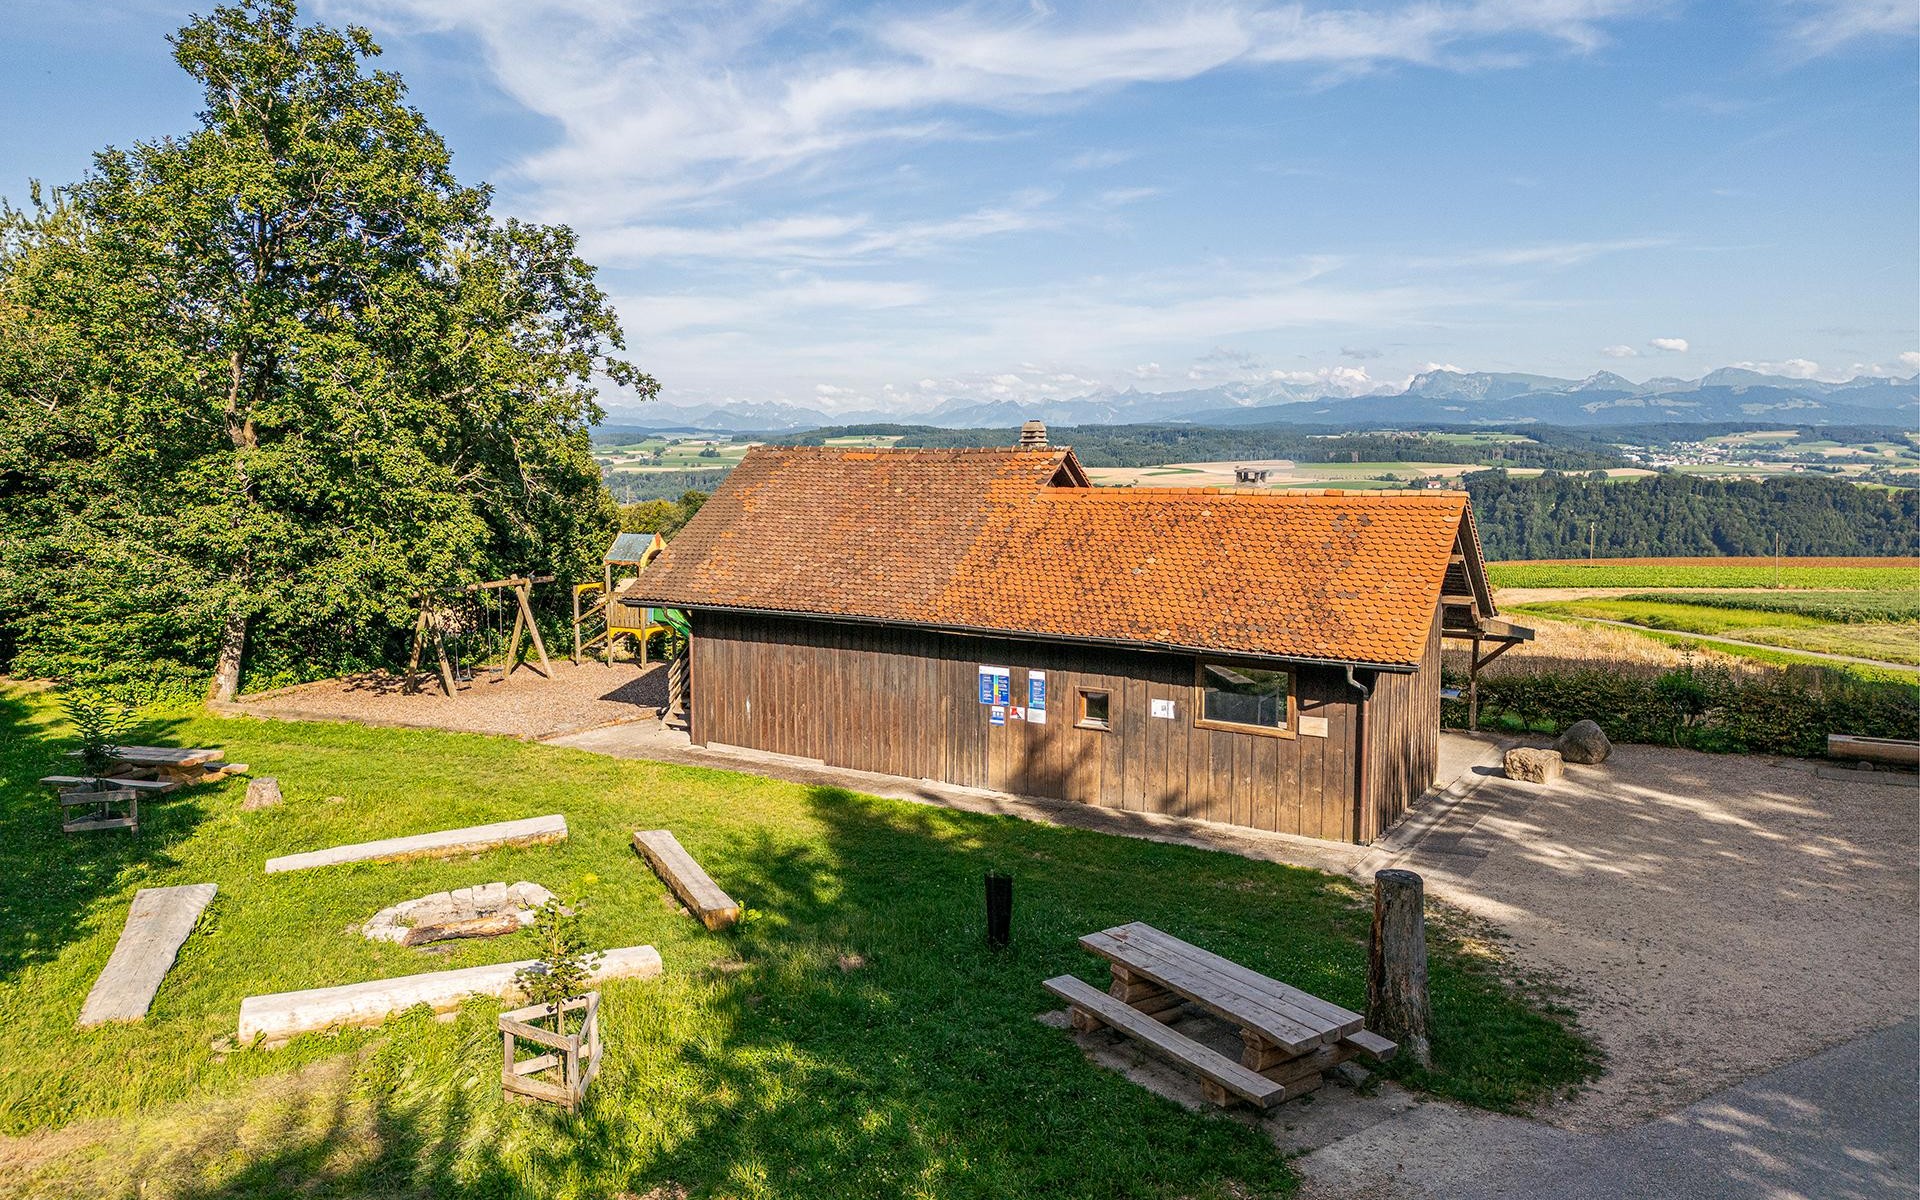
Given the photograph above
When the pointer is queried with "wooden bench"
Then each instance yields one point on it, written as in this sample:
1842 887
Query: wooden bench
1287 1036
445 843
156 787
157 926
1221 1077
1890 752
685 878
278 1018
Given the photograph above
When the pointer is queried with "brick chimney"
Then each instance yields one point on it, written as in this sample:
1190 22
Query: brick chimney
1033 436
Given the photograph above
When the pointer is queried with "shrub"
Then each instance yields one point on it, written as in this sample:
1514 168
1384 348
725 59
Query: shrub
564 965
100 722
1788 711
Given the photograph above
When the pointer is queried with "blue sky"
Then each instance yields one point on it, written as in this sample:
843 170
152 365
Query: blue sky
851 206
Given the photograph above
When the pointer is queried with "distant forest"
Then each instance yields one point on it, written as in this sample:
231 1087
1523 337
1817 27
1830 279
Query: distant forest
1153 445
1551 516
632 487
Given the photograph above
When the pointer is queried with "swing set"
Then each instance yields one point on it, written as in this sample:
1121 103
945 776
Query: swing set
443 625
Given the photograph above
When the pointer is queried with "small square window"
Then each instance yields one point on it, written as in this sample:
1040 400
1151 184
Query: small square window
1094 709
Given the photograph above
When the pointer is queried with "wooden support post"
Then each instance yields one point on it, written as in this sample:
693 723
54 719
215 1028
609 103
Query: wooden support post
446 668
1473 688
606 606
522 593
576 627
1397 1005
419 642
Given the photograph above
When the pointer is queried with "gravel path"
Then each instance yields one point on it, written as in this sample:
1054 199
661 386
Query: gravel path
1717 915
525 705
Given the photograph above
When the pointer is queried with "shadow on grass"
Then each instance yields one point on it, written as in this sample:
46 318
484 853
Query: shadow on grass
53 879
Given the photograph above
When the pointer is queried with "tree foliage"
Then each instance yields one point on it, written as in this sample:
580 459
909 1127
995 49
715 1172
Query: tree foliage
282 375
1552 516
664 517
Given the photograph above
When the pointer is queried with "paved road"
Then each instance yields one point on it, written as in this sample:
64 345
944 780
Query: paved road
1840 1125
1727 641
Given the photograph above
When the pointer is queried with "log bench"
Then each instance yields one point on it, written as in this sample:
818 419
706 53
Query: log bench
1289 1038
686 879
445 843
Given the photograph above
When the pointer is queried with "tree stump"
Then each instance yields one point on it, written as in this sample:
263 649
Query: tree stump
263 792
1397 1006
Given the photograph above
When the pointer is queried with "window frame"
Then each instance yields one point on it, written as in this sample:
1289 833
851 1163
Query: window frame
1200 721
1081 719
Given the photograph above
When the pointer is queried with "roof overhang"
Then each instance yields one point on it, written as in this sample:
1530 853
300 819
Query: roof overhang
1140 644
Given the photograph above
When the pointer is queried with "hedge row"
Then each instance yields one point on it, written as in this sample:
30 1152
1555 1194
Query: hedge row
1788 712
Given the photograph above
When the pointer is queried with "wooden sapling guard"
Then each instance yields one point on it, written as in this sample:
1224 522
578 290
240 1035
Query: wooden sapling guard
555 983
1397 1005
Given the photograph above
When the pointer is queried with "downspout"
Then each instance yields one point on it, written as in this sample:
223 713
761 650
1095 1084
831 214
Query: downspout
1360 754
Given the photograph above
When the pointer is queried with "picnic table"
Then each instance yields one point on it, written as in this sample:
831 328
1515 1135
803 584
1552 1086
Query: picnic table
174 764
1289 1038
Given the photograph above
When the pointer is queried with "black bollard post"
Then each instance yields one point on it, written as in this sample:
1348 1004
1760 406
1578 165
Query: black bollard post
999 908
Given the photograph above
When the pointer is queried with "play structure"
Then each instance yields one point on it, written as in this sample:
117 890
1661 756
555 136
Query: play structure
599 622
482 622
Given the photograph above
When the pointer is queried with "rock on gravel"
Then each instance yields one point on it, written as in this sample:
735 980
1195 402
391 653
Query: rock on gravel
1584 742
1534 766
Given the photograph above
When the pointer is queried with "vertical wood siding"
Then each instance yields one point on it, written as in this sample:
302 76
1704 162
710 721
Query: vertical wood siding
905 702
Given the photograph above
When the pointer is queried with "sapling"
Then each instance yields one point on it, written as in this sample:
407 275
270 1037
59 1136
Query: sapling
101 723
563 966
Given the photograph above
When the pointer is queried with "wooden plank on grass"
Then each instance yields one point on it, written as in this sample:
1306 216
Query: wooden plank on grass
446 843
157 926
1209 1064
157 786
685 878
284 1015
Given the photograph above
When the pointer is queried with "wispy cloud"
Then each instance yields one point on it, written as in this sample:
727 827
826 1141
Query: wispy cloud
664 109
1547 254
1824 26
1670 345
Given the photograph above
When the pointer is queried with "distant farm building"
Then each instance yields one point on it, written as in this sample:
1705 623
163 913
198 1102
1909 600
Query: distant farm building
1247 475
987 618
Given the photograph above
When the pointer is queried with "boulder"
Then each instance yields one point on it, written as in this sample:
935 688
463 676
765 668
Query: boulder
263 792
1534 766
1584 742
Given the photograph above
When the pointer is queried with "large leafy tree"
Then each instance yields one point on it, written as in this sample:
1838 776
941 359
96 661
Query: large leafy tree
264 385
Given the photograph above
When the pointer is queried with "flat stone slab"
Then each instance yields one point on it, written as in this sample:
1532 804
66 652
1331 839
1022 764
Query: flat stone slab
685 878
529 831
282 1016
396 921
157 926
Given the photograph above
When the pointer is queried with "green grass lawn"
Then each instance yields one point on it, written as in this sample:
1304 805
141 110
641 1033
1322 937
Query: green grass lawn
1741 574
764 1063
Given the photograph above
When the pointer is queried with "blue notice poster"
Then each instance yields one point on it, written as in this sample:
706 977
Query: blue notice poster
996 685
999 715
1037 690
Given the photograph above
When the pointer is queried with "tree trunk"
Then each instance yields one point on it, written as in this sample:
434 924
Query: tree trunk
233 645
1397 1005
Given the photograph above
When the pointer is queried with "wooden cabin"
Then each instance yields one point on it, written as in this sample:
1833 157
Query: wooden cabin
985 617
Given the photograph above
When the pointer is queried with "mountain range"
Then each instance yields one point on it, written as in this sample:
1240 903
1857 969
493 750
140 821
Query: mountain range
1438 397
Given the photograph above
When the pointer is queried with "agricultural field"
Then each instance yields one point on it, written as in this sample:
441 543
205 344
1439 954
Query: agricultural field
1760 453
1869 574
673 452
852 1037
1287 473
1783 613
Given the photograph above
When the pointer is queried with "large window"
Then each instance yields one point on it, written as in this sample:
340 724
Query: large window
1247 698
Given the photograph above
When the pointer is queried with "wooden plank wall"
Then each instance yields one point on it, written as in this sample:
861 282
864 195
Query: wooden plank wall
905 702
1403 741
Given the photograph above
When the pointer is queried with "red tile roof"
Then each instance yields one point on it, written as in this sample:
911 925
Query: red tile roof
977 539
